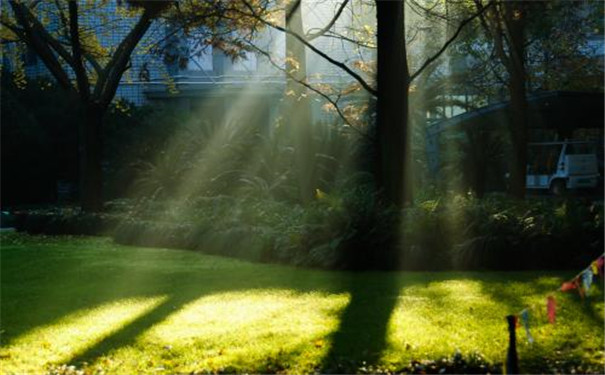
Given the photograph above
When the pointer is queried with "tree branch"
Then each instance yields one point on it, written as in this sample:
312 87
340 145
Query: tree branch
347 39
81 76
19 32
339 64
310 36
41 32
32 38
62 17
310 87
110 77
92 61
449 41
496 32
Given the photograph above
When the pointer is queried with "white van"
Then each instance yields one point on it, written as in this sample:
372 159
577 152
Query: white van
560 166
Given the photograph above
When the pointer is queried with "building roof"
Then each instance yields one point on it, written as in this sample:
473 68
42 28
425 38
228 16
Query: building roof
563 110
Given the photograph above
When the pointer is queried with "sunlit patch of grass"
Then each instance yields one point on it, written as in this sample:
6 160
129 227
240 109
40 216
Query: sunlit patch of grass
239 331
445 316
57 342
468 316
120 309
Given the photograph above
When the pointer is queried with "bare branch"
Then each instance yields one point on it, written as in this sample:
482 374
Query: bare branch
347 39
310 36
449 41
310 87
496 32
339 64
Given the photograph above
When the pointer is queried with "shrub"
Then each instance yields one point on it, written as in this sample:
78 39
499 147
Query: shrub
349 229
64 221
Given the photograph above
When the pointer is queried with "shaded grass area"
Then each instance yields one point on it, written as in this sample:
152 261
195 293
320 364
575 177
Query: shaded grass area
103 307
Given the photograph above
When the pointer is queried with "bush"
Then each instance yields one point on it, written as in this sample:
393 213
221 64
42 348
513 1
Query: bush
350 229
38 143
496 232
61 221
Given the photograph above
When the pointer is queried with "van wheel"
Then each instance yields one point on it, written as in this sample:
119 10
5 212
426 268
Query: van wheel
558 188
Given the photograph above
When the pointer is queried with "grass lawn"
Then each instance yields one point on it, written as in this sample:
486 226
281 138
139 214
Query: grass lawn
101 307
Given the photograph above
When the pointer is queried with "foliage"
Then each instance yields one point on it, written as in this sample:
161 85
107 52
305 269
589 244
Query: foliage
348 228
38 141
166 153
500 233
88 69
564 62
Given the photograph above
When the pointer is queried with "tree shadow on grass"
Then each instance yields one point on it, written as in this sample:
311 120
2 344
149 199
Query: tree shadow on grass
56 285
92 285
361 336
128 334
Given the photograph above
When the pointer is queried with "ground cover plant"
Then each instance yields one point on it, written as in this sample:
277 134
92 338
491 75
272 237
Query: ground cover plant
105 308
444 232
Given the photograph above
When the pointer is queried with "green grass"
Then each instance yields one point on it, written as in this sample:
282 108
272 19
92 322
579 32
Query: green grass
116 309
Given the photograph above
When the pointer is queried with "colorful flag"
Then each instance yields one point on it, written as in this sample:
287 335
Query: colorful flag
587 280
577 283
525 322
594 266
551 307
567 286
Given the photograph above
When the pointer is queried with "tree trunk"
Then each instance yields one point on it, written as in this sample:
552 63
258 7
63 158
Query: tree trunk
298 108
518 131
392 105
515 24
90 147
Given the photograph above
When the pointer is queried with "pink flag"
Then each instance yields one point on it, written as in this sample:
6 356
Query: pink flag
551 306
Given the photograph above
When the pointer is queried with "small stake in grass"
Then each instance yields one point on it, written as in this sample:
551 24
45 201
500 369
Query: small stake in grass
512 361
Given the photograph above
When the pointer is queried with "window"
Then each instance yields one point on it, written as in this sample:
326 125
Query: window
30 58
199 59
245 64
543 159
580 149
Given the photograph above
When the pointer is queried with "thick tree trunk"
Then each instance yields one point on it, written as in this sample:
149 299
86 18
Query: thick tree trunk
298 108
91 153
515 24
392 105
518 131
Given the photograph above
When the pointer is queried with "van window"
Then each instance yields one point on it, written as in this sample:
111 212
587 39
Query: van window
580 149
542 159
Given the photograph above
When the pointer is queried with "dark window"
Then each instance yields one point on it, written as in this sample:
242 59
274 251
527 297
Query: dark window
542 159
30 58
580 149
